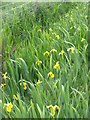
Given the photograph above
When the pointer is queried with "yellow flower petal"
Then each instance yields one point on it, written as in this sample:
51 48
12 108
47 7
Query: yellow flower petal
56 107
25 87
5 76
61 53
39 82
46 53
72 49
82 40
50 106
39 62
85 17
11 105
53 109
57 36
53 50
20 84
57 66
51 75
24 84
53 112
4 106
14 97
8 108
2 85
39 30
50 29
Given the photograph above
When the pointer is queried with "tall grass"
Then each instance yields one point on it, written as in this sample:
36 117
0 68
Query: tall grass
30 33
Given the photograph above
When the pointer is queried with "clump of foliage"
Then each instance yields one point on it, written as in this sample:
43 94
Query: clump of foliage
45 68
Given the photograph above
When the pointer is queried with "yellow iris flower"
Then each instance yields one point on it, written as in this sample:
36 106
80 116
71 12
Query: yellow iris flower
72 49
53 50
61 53
5 76
82 40
14 97
53 109
85 17
39 62
46 53
57 36
24 85
39 82
8 106
50 29
51 75
2 85
57 66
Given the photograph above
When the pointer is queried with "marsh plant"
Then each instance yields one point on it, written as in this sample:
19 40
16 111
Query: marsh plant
45 66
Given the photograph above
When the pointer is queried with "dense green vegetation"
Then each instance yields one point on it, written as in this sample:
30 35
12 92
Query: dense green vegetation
45 66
